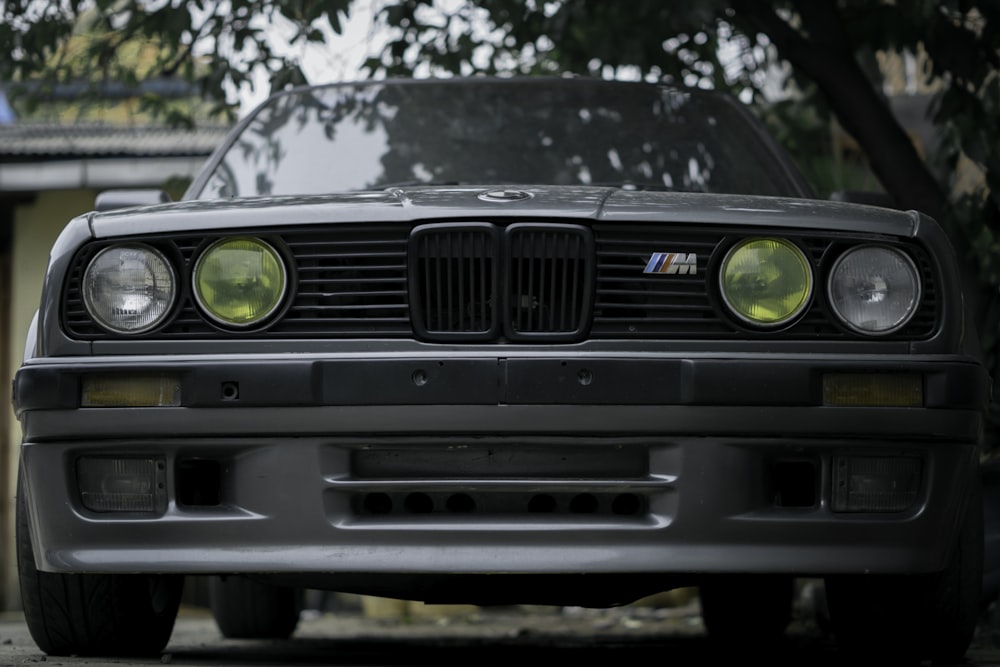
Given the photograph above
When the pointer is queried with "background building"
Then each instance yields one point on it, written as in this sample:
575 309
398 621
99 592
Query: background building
51 170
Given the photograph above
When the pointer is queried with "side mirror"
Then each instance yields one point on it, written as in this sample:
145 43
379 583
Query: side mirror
110 200
864 197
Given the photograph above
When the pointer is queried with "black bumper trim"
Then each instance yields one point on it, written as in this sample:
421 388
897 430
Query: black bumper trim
497 381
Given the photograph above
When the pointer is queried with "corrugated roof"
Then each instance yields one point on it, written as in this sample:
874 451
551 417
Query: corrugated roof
47 141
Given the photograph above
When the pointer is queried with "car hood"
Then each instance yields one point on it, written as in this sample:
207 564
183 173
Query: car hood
604 204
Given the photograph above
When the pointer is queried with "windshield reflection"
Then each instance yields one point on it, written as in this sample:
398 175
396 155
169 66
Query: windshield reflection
489 131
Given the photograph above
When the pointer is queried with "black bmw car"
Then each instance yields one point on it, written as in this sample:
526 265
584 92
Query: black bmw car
491 341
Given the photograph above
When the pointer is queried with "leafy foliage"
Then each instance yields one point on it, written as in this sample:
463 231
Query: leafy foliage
214 46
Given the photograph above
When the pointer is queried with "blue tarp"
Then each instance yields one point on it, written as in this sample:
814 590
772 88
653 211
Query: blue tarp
7 114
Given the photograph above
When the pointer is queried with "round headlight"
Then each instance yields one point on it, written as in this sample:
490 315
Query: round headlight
874 289
239 282
129 288
766 282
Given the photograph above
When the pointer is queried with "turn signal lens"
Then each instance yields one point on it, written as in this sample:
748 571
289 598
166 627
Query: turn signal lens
876 390
239 282
130 391
766 282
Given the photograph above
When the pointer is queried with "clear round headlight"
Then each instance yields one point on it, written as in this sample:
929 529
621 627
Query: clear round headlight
129 288
874 289
766 282
239 282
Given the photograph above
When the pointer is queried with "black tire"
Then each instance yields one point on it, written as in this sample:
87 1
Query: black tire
93 614
248 609
919 617
747 608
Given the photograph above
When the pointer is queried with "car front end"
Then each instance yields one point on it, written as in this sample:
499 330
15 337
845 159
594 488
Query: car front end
507 391
559 398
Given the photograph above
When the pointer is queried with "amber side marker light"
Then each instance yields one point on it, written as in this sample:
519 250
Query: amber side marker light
873 390
130 391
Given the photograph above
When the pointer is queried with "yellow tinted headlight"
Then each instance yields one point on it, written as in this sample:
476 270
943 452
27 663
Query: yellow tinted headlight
239 282
766 281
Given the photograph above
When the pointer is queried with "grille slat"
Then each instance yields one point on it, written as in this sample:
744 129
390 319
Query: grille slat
342 308
343 281
356 268
359 294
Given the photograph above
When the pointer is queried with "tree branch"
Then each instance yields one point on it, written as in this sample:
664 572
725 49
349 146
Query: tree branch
862 112
858 106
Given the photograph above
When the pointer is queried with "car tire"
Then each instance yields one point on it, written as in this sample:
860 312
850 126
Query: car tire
248 609
747 608
93 614
929 617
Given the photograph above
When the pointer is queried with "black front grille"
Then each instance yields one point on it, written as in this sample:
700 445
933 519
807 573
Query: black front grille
519 282
477 282
548 286
454 281
630 303
352 283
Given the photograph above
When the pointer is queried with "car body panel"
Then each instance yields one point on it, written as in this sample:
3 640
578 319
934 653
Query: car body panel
549 202
673 442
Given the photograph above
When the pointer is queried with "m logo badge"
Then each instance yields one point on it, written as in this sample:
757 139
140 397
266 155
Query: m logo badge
672 262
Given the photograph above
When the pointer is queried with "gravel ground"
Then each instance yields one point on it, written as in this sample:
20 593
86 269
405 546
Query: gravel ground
371 632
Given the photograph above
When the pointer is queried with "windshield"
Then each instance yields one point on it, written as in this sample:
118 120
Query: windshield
497 131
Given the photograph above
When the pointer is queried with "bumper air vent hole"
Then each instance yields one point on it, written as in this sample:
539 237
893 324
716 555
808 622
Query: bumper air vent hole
543 503
460 503
795 484
626 504
378 503
585 503
419 503
199 482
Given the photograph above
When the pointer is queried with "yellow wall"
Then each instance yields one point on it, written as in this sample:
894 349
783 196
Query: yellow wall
36 227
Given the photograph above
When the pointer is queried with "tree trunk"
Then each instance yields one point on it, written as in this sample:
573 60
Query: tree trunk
821 51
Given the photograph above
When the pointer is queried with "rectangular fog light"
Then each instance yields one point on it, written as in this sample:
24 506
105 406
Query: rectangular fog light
130 391
874 390
121 484
875 483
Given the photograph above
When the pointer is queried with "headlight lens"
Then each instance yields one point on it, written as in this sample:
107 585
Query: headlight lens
129 288
874 289
766 282
239 282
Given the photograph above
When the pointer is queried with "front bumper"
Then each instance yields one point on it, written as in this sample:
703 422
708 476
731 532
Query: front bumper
517 466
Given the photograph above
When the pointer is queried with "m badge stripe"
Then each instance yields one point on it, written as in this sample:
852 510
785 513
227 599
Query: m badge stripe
672 262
